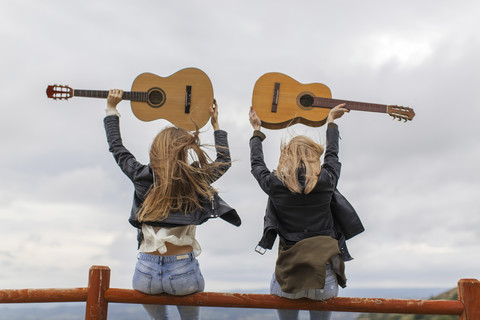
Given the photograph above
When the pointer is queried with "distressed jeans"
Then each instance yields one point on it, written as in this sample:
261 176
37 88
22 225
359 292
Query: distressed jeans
330 290
176 275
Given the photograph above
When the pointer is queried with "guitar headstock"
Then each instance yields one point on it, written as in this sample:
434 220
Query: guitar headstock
401 113
59 92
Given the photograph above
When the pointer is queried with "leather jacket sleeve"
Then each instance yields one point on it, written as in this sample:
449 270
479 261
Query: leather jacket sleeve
223 160
258 167
331 162
133 169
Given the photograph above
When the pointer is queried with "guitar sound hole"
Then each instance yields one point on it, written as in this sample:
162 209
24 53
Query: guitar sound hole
156 97
306 100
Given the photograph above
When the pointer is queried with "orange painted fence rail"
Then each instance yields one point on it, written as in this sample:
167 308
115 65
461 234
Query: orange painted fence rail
99 294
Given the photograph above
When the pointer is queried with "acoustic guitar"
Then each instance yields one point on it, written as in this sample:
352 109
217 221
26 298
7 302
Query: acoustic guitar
281 101
183 98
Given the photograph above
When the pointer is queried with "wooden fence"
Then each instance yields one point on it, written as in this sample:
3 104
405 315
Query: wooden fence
99 294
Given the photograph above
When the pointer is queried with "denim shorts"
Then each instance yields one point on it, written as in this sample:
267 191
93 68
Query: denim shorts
176 275
330 289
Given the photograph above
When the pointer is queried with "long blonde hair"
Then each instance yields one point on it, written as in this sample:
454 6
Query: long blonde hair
179 184
300 153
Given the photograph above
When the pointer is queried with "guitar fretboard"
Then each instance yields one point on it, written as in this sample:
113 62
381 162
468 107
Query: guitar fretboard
352 105
127 95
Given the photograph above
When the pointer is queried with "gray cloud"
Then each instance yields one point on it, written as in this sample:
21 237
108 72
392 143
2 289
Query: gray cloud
414 184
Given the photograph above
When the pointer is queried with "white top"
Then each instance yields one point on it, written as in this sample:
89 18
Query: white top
154 238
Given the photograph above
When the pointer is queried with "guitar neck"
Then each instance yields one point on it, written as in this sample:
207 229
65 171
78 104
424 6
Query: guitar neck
351 105
103 94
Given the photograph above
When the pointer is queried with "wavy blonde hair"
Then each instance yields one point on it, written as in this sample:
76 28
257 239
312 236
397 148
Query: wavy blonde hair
300 153
183 173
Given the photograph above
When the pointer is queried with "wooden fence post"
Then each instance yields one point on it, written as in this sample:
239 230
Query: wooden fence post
98 283
469 295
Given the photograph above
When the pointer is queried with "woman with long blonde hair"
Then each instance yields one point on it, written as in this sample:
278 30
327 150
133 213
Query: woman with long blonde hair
173 194
300 191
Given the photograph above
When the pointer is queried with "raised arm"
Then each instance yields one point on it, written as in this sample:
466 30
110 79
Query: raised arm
113 98
223 160
337 112
125 160
331 160
258 167
214 115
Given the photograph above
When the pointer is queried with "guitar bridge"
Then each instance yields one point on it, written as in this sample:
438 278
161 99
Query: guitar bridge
276 91
188 98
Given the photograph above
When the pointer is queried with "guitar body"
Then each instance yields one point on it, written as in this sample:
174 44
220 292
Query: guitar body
290 105
167 98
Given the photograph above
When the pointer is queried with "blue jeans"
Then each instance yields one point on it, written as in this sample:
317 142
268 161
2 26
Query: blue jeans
330 290
176 275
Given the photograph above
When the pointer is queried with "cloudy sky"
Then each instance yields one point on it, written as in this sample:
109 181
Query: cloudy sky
64 203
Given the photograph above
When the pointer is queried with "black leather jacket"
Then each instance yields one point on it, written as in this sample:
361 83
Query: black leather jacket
324 211
142 178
